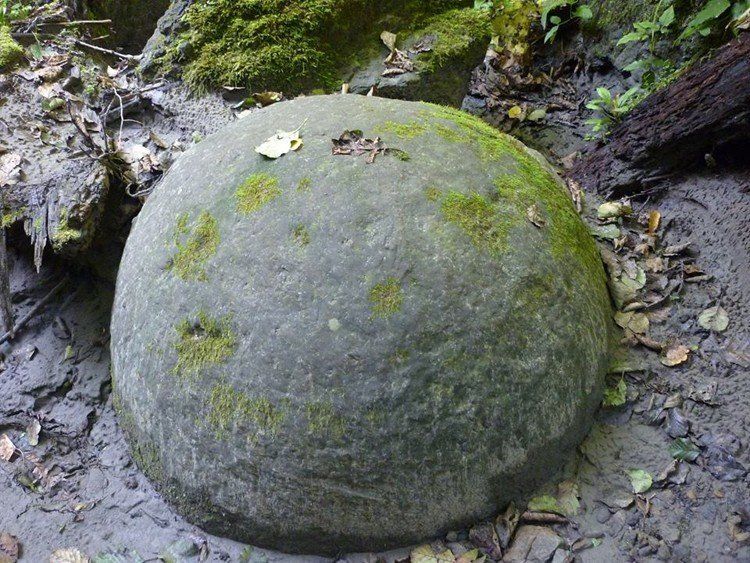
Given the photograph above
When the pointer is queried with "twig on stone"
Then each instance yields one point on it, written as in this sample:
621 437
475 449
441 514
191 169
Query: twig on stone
134 58
34 310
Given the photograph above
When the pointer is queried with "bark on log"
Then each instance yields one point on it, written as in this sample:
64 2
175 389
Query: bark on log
673 129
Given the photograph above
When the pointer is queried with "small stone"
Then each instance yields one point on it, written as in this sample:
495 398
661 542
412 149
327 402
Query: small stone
533 544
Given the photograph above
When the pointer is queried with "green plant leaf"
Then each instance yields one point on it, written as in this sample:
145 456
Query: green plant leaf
640 480
615 396
703 19
631 37
583 12
684 450
551 34
667 17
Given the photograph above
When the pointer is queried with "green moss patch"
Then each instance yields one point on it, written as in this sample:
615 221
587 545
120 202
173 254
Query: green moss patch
203 343
255 192
11 52
486 223
194 246
406 130
386 298
301 235
227 407
322 419
65 233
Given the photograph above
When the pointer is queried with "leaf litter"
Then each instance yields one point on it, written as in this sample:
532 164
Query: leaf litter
354 143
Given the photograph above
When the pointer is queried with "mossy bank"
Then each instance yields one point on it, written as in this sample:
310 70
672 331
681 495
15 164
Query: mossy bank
330 354
313 44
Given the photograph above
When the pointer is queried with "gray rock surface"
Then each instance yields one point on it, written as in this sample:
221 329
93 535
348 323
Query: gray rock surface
320 354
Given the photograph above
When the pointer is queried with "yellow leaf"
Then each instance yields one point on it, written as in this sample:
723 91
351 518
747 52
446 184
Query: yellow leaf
516 112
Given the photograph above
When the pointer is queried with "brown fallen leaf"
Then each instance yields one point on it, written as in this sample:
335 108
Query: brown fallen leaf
7 448
654 218
674 355
9 548
533 215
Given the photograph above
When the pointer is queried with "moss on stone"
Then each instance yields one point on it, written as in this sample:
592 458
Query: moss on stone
432 194
295 46
64 233
194 247
486 223
455 32
255 192
405 130
301 235
304 185
11 216
204 343
11 52
323 420
226 407
386 298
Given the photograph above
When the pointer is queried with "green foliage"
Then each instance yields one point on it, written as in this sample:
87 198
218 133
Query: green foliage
576 11
703 22
609 110
512 22
11 11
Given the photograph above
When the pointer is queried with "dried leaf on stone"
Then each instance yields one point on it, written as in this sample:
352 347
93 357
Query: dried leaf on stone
8 548
640 480
267 98
606 232
678 425
7 448
32 432
280 143
635 322
354 143
537 115
516 112
654 218
427 554
10 169
576 193
704 393
535 217
714 319
389 40
70 555
484 536
676 249
674 355
614 209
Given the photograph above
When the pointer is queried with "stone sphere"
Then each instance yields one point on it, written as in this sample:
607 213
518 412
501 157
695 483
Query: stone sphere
325 352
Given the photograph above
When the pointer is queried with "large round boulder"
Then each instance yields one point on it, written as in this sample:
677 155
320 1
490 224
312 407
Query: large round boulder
320 353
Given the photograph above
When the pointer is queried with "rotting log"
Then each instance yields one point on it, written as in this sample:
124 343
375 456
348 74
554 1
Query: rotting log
673 129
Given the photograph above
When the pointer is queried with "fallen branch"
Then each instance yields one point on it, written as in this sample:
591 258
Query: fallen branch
675 128
34 310
134 58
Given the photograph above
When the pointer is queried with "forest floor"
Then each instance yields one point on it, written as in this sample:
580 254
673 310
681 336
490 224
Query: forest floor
68 481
